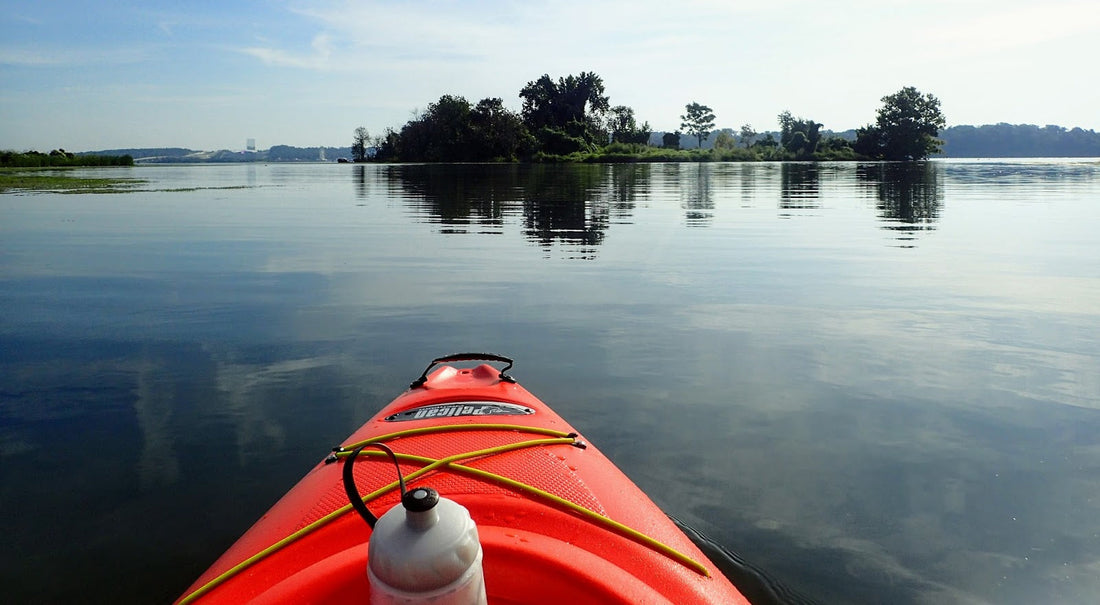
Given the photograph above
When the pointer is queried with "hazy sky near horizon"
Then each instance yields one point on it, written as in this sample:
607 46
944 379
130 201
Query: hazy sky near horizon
208 75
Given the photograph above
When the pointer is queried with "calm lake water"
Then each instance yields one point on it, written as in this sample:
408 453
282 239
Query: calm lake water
879 383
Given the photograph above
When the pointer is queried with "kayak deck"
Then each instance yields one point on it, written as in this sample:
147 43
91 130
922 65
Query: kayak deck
556 518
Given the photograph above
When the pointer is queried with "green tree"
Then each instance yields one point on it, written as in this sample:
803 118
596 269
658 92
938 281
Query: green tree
835 148
698 121
906 128
798 136
768 142
566 115
450 130
386 145
359 144
725 140
671 140
439 134
748 135
497 133
624 128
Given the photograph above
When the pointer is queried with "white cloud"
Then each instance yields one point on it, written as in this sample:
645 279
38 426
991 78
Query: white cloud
319 56
375 60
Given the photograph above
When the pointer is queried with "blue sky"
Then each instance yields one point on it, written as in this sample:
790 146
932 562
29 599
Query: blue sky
209 75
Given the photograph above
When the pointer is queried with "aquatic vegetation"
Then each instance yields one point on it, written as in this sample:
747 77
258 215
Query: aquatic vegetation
63 182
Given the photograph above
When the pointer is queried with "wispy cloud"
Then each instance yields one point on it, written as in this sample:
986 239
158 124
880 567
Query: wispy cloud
373 60
319 56
503 37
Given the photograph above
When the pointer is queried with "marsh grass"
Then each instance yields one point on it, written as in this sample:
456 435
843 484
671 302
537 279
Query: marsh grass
60 181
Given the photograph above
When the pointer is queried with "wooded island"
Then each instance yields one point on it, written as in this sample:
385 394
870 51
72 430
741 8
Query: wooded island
571 119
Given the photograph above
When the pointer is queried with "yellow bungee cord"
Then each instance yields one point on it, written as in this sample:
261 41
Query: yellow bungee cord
453 463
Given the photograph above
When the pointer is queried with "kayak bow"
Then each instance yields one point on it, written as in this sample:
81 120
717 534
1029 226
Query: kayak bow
557 520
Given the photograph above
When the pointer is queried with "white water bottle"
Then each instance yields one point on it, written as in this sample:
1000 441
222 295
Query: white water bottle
426 551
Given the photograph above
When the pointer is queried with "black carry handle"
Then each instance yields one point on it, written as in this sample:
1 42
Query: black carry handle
466 357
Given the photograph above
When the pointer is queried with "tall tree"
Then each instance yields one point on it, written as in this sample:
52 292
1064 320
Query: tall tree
748 135
439 134
906 128
359 144
698 121
565 115
497 133
386 145
624 128
798 136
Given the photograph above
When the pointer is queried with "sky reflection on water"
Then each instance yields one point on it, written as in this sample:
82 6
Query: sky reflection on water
877 382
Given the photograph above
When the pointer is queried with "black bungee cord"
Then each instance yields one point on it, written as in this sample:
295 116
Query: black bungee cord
352 491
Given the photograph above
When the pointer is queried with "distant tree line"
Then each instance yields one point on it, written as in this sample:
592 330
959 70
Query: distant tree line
142 152
180 155
60 158
571 119
287 153
1022 141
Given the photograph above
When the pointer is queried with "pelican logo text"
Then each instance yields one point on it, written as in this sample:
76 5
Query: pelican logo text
461 408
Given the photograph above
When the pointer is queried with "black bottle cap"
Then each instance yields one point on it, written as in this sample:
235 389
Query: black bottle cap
420 499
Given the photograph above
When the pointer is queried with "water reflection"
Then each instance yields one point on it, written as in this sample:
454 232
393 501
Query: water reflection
459 197
799 187
768 381
154 405
562 205
627 183
361 187
696 195
1008 175
910 195
747 182
572 206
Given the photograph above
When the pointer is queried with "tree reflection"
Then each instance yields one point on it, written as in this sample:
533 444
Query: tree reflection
558 205
799 186
748 182
361 186
575 205
626 183
696 194
909 194
557 208
455 195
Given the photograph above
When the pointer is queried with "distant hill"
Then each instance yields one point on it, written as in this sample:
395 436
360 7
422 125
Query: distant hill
1018 140
277 153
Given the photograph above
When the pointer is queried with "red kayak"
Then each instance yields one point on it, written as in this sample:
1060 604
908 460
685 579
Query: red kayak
557 521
